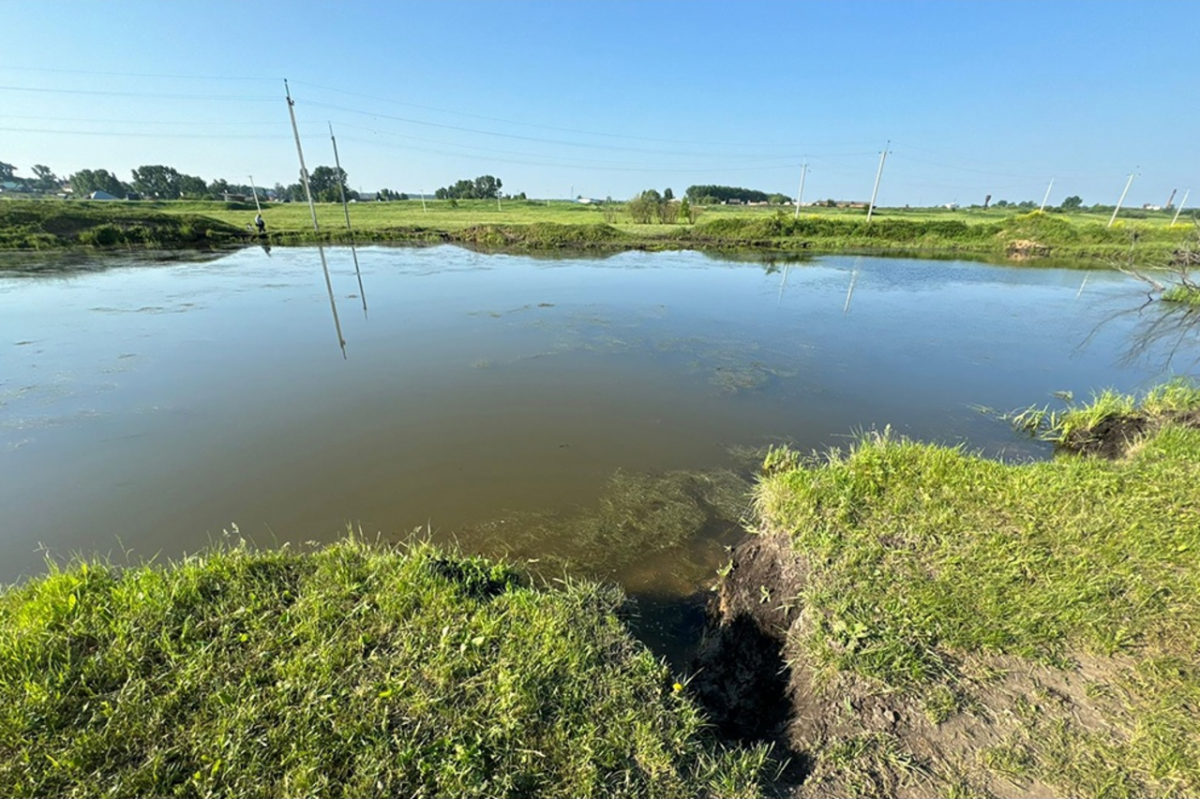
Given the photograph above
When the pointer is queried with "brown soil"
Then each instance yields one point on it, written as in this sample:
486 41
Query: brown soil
753 676
1023 249
1114 436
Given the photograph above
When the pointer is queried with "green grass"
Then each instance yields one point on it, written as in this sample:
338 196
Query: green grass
925 558
1075 424
542 225
28 225
1183 294
347 671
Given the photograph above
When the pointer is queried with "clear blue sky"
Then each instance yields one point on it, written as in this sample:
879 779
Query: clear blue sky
609 98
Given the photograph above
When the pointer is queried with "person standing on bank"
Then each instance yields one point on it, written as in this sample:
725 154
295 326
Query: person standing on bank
260 224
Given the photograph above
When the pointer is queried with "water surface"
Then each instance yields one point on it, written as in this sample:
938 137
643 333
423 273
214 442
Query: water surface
599 412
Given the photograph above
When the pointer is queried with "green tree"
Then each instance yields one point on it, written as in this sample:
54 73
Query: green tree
1072 203
685 210
484 187
86 181
156 182
487 187
6 171
668 195
192 187
324 182
44 178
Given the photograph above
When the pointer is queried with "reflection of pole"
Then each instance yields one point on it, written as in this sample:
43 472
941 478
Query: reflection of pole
1180 208
337 324
1047 197
254 189
800 194
1081 285
878 175
1116 210
313 210
346 209
850 291
783 283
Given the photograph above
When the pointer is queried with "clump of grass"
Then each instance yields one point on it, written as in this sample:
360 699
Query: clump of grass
1183 294
346 671
923 557
1077 423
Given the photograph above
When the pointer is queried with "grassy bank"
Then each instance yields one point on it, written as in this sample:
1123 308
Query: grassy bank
350 671
1031 629
536 225
26 225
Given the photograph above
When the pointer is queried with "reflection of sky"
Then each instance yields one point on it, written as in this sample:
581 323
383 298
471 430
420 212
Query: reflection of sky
160 402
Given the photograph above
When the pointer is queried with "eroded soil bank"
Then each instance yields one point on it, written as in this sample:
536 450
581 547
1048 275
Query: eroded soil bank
941 625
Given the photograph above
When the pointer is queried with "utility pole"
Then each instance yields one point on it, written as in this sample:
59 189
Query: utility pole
878 175
337 162
254 189
1180 208
424 210
313 210
1171 199
1117 210
800 194
1046 199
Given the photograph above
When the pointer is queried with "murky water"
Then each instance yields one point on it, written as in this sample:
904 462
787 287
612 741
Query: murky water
599 414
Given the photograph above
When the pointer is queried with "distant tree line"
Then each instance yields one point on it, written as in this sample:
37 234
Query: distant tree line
484 187
160 182
650 206
715 195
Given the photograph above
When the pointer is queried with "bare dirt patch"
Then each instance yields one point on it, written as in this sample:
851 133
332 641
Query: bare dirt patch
990 730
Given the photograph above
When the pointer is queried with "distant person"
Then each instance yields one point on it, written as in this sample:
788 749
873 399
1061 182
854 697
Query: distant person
260 224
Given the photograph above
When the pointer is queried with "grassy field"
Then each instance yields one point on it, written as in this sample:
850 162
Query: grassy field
348 671
996 233
1035 629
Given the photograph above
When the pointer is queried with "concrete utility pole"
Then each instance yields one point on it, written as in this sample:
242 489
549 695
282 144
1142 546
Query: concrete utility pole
800 194
1046 199
1171 199
1180 208
1117 210
313 210
337 162
878 175
254 189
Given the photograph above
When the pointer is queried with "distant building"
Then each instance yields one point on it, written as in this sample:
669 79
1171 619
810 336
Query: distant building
102 195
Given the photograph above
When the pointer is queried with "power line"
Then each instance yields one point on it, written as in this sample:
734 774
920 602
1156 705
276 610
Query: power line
157 96
132 74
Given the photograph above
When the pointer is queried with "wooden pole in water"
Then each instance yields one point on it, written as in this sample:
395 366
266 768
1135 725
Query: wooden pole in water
1117 210
254 189
337 162
878 175
337 324
800 194
1047 197
1180 208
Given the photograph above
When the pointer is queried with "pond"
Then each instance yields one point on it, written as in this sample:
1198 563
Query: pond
603 415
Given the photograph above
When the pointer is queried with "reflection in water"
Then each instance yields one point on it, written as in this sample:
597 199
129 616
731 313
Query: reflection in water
850 291
358 272
337 324
1161 332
